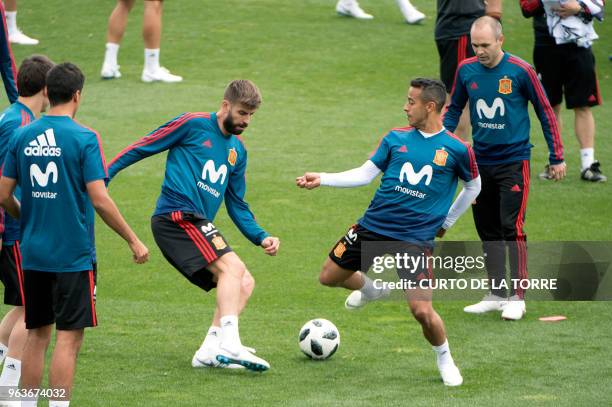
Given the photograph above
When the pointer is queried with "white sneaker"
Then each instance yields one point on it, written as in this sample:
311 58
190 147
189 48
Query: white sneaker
110 71
161 75
357 299
414 17
352 9
514 309
451 376
18 37
489 303
206 357
242 356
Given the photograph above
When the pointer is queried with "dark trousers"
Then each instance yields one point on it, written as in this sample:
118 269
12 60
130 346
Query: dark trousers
499 215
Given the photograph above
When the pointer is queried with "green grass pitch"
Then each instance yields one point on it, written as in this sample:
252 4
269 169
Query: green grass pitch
332 87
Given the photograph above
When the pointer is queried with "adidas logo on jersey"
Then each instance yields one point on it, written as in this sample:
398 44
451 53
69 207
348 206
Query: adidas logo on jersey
43 146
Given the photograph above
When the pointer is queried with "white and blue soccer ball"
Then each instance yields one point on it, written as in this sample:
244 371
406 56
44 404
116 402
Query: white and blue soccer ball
319 339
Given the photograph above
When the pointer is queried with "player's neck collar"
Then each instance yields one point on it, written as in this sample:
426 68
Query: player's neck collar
428 135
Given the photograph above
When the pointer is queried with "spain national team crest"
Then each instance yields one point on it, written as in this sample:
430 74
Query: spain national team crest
232 156
440 158
219 243
505 86
339 250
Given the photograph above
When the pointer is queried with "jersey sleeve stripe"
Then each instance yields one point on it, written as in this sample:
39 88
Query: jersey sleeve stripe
556 137
464 62
99 139
160 133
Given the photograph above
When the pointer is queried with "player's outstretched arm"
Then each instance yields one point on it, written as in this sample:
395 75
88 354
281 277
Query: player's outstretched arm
348 179
7 199
108 211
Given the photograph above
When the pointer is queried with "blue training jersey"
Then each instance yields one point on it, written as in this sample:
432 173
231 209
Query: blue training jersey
202 168
498 99
15 116
418 184
53 159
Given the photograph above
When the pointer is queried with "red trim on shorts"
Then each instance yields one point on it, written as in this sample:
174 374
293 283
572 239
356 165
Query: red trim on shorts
195 236
92 288
20 277
521 245
597 91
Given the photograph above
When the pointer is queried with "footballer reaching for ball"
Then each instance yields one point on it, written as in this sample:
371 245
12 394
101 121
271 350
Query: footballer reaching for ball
421 165
206 163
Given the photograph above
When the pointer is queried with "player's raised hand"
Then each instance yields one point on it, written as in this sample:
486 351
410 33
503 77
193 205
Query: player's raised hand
271 245
309 180
557 171
140 251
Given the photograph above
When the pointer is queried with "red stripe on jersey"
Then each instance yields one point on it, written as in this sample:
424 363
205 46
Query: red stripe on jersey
160 133
472 157
405 128
92 291
467 61
99 146
556 136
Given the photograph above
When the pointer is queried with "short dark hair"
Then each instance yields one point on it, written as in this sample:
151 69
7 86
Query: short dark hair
243 91
32 75
63 81
432 90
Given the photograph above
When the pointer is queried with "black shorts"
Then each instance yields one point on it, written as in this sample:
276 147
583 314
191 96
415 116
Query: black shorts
190 243
11 274
67 299
577 79
452 51
349 253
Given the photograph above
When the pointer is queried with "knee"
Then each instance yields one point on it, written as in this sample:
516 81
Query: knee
248 283
40 337
326 277
582 111
421 313
236 268
128 4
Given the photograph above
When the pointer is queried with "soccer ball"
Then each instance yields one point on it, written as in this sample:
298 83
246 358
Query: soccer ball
319 339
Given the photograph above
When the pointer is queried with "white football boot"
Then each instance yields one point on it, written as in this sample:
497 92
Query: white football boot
110 71
160 75
357 299
514 309
206 357
451 376
18 37
489 303
414 16
350 8
241 356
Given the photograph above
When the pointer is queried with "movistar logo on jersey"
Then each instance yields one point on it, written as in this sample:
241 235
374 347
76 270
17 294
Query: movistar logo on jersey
42 178
210 172
408 173
483 109
43 146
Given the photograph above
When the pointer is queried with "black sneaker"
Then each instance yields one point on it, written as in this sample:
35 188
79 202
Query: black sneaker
546 173
593 173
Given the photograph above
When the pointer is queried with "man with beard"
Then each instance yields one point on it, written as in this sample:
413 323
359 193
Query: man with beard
206 163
